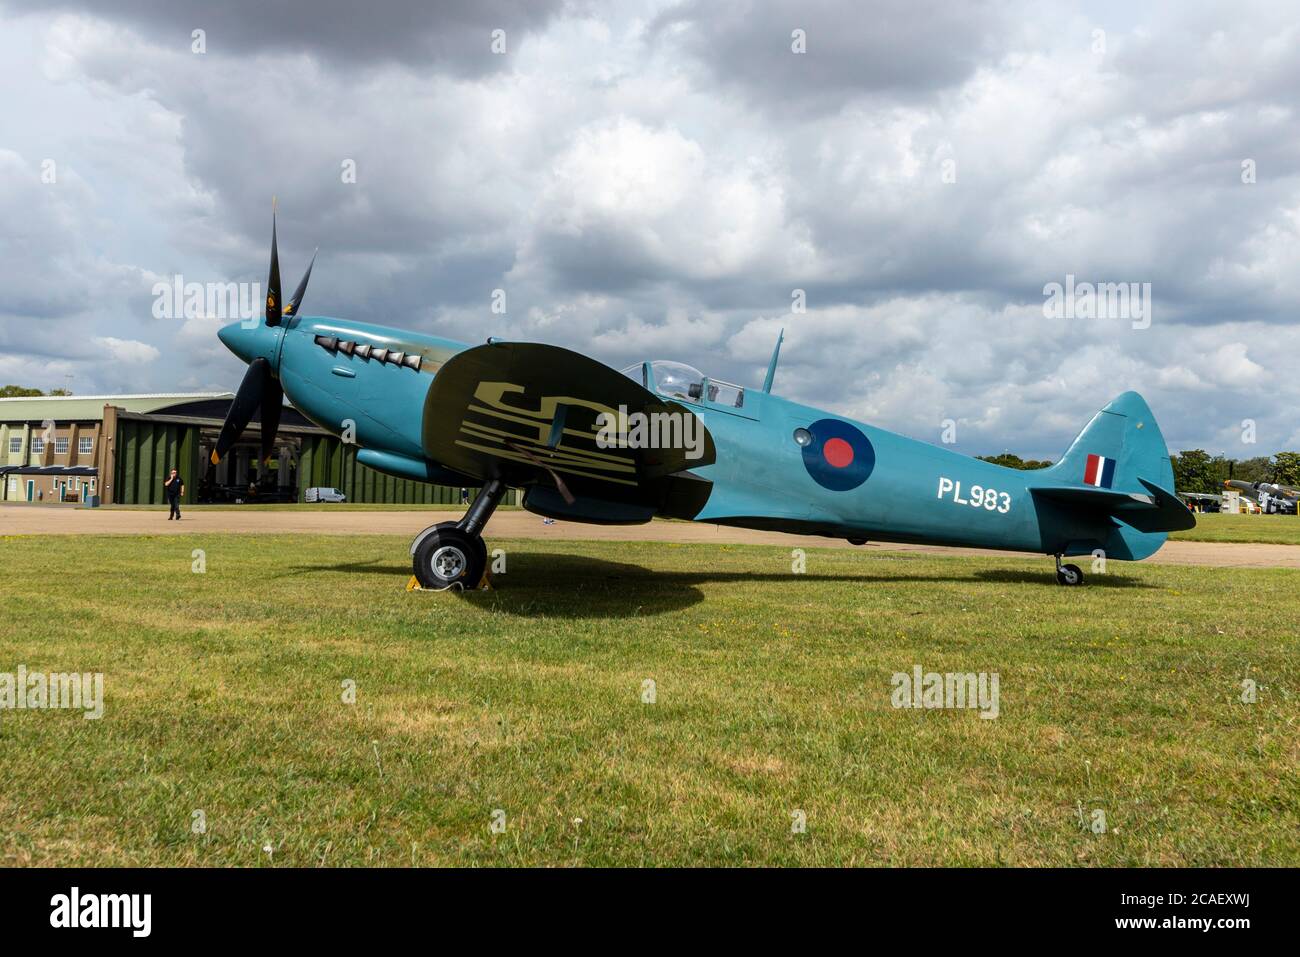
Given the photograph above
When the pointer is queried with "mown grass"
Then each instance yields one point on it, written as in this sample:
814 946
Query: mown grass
224 695
307 507
1267 529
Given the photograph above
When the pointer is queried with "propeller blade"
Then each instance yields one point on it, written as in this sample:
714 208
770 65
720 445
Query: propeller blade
255 385
296 301
272 406
273 282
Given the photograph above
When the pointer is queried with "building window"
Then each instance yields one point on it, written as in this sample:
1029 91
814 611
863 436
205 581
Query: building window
38 445
85 444
60 445
15 444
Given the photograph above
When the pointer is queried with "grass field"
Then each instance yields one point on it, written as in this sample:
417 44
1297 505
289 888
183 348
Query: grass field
223 694
306 507
1269 529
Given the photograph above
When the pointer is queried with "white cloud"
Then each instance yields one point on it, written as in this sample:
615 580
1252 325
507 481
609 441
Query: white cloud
653 180
658 199
127 350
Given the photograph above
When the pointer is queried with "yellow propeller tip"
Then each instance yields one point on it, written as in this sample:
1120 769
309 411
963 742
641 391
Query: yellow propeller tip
215 458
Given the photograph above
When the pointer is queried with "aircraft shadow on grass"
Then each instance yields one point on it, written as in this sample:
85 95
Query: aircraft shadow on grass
575 586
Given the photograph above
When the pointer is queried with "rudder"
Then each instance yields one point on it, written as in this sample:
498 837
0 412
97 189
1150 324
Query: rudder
1122 450
1121 446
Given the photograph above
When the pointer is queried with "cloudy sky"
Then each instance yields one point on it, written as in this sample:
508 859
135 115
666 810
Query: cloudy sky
656 179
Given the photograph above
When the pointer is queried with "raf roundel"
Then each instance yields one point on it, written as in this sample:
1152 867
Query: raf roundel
839 457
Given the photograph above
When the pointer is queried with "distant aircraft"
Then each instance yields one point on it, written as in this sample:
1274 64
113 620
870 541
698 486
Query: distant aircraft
1273 499
580 439
1205 501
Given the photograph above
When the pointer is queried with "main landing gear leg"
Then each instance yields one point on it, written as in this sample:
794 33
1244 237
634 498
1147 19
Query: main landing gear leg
1068 574
452 554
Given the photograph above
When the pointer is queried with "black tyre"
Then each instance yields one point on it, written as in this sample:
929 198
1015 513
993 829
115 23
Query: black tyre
448 557
1069 575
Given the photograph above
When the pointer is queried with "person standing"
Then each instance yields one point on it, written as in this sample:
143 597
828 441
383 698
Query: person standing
174 488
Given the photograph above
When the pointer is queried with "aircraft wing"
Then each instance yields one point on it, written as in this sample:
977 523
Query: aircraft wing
1154 510
1255 488
527 413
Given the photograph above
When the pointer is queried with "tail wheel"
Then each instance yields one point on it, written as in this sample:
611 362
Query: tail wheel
1069 575
449 557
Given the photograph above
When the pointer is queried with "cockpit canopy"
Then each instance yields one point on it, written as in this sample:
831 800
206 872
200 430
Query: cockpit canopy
677 380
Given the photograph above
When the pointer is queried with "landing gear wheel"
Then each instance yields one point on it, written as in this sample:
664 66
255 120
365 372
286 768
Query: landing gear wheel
452 554
1069 575
450 557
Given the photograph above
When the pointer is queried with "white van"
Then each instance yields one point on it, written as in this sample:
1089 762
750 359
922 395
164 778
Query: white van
325 495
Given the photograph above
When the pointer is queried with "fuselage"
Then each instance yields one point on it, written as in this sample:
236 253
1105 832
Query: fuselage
914 492
874 484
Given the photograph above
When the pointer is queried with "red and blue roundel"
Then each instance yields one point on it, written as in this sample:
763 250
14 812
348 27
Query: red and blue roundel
839 457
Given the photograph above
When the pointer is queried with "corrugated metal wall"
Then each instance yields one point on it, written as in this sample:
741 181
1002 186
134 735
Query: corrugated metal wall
147 450
327 462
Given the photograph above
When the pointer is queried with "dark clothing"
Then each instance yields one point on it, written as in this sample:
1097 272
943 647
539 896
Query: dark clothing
172 488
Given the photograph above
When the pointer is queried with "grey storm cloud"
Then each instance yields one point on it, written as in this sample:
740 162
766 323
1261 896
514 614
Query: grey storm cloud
447 34
656 179
894 48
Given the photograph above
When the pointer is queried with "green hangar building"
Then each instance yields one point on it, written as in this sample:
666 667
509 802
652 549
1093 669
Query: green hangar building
119 449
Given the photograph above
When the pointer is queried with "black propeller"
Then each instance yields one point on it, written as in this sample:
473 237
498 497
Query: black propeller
273 281
261 388
292 308
257 388
272 405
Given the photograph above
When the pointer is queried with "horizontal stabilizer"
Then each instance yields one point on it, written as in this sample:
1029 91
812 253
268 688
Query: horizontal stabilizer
1093 497
1153 510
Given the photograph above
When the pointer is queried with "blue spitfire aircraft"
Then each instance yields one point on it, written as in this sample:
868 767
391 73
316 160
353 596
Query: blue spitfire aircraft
572 434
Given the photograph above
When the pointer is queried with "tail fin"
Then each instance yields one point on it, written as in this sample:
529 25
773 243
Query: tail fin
1118 468
1119 448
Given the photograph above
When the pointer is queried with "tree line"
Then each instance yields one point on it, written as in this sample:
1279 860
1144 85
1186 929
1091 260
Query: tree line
1196 470
22 392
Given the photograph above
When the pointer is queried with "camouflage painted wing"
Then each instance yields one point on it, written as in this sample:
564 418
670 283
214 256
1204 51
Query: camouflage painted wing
527 413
